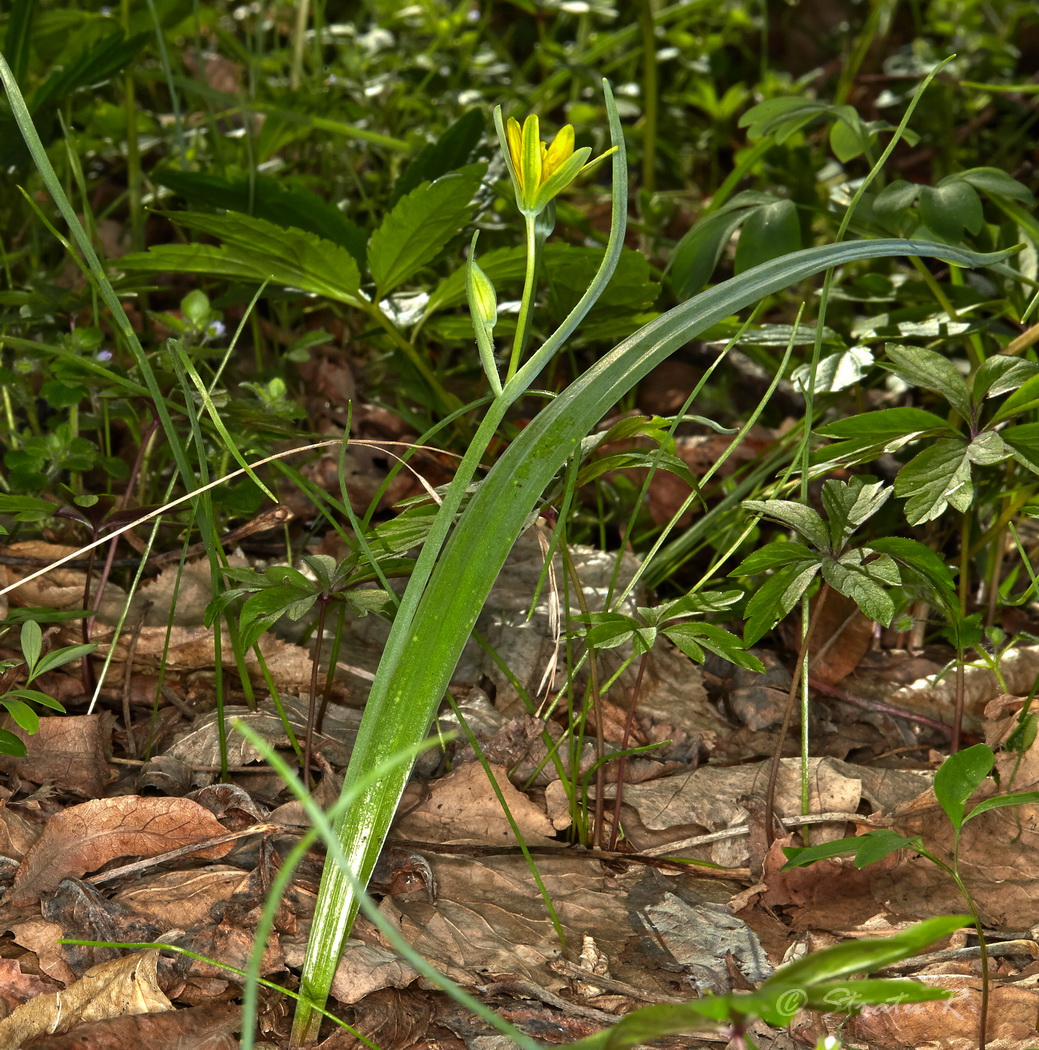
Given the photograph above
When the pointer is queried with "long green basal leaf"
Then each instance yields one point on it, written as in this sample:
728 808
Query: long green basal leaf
363 828
410 685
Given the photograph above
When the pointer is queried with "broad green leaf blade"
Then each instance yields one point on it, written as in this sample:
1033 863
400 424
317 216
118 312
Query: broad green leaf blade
255 250
995 182
36 697
22 713
769 232
419 226
936 478
855 582
959 776
436 617
950 209
931 370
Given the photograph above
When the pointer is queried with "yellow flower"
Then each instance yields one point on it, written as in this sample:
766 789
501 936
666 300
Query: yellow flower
539 171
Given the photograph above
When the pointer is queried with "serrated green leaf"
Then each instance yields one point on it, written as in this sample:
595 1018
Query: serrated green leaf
776 597
838 371
773 556
930 370
419 226
886 424
959 776
693 638
453 150
938 477
920 561
254 250
795 515
849 504
854 583
269 198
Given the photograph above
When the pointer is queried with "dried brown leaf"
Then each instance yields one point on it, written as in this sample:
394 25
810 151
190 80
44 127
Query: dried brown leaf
84 838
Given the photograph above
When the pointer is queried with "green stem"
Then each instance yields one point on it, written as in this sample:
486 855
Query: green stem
526 312
649 96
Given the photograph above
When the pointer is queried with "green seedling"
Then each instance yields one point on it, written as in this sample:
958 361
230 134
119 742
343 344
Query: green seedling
829 981
18 701
956 780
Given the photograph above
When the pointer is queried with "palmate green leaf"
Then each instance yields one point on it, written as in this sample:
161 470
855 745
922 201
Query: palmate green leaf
1001 375
849 504
255 250
696 604
450 584
776 597
796 516
855 582
420 225
959 776
774 555
930 370
936 478
918 562
693 638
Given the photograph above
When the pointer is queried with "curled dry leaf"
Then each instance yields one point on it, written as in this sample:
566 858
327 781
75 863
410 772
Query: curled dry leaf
113 989
86 837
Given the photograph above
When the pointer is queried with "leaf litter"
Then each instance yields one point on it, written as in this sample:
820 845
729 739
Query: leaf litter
635 930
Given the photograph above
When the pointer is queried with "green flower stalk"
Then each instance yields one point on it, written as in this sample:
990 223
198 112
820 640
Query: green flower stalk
539 173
